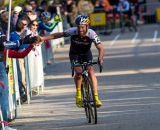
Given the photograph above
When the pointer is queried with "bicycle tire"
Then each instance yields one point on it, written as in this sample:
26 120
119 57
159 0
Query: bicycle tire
91 101
85 103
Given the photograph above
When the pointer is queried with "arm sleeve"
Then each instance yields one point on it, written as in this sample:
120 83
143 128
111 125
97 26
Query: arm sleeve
70 32
95 38
16 54
49 28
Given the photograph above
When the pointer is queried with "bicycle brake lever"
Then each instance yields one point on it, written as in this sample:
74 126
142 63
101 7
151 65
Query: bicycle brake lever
100 68
72 68
72 72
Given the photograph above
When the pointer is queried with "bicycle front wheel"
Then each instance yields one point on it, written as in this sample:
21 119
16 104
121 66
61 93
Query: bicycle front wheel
85 102
91 101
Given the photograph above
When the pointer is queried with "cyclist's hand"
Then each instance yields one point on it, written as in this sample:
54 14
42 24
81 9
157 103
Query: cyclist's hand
100 62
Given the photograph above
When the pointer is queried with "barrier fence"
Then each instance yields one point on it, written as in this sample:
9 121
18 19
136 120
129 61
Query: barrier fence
106 22
34 65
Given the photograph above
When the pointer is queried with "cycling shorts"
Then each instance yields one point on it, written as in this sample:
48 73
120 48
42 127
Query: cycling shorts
81 57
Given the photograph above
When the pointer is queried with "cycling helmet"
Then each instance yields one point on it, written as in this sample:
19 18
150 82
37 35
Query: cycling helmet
82 20
46 15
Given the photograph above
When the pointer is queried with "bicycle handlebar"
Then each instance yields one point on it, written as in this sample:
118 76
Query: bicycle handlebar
86 64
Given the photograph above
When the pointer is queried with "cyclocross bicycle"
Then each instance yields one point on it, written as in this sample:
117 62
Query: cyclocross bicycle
88 98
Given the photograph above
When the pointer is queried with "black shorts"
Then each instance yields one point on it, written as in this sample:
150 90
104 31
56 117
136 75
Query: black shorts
81 57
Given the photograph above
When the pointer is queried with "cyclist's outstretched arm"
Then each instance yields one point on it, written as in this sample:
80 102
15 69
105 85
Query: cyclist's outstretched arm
52 36
101 52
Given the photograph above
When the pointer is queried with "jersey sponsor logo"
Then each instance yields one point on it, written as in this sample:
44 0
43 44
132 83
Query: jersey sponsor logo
80 42
97 40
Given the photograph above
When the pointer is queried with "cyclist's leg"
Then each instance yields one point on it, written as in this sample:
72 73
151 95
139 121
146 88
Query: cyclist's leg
95 85
78 80
88 58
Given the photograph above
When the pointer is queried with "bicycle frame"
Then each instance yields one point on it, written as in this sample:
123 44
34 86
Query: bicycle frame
87 91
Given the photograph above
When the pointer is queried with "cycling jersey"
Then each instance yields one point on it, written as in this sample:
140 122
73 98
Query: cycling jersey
81 45
80 49
49 27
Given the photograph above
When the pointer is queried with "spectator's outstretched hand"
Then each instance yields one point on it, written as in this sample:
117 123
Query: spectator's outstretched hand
57 18
41 39
30 39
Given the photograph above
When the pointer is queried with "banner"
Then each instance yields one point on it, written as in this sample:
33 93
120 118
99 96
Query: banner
35 67
10 76
98 19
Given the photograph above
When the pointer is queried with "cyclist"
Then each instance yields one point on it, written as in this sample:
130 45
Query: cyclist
124 9
80 50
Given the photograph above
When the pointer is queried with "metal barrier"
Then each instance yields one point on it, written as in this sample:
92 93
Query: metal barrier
103 22
2 123
11 84
14 93
149 12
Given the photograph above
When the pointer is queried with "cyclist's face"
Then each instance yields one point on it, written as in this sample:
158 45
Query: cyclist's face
82 29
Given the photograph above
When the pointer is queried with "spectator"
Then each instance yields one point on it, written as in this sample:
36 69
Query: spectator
35 56
45 27
4 22
16 12
2 2
44 5
4 101
52 8
71 12
28 14
125 13
34 5
105 4
16 36
85 7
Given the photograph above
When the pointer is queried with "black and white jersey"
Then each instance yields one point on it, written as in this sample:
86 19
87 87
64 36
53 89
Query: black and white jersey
81 45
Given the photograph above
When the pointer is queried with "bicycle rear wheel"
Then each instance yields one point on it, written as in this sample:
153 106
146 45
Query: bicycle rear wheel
91 101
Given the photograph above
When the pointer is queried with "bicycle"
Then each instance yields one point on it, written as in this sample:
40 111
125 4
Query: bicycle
88 98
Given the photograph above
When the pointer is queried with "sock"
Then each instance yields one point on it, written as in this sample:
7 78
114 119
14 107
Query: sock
78 91
96 95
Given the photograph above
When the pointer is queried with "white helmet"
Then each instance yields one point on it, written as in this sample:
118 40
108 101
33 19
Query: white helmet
17 9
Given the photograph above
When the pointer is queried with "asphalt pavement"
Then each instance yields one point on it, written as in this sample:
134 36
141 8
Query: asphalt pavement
129 87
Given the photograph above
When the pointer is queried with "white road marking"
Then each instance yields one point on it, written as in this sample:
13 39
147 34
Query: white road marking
121 72
114 40
155 36
135 37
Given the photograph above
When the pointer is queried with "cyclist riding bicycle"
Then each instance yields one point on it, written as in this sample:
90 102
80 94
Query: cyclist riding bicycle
124 9
80 50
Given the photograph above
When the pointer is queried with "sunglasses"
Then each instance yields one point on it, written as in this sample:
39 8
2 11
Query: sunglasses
35 25
25 24
29 11
32 3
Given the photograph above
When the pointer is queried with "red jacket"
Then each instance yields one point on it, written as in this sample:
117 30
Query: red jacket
17 54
